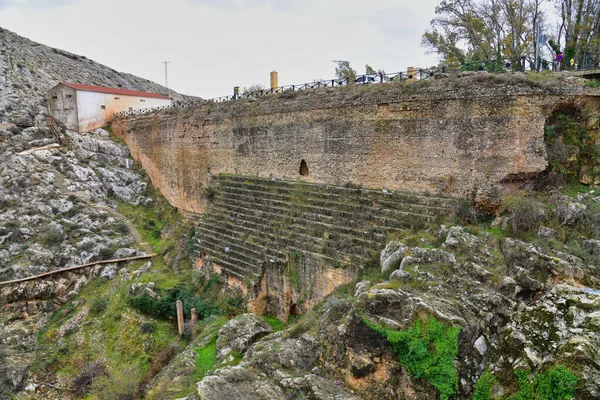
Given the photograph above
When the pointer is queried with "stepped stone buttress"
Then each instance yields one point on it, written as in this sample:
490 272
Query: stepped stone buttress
288 244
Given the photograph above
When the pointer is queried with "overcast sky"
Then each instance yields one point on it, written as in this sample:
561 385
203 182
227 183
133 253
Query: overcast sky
214 45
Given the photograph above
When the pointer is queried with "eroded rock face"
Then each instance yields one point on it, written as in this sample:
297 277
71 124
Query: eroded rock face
507 298
48 221
239 333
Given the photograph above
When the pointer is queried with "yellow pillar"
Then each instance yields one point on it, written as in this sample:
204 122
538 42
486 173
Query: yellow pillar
274 80
411 74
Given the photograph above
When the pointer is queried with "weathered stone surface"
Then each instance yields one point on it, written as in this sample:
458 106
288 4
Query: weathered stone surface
492 134
547 233
239 333
391 256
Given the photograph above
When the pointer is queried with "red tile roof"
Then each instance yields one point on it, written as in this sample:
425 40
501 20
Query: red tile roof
124 92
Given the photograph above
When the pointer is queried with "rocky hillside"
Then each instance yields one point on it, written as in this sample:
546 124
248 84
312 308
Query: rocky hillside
58 205
28 69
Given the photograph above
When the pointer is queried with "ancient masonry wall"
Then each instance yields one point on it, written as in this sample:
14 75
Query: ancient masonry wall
273 176
442 136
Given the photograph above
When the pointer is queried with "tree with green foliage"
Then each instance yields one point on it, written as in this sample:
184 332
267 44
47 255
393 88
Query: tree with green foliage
165 306
344 71
579 31
427 349
466 31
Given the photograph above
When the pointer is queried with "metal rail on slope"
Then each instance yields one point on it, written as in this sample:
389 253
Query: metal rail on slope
77 267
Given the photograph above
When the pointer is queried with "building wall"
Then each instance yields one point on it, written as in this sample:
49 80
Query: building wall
97 109
446 136
62 103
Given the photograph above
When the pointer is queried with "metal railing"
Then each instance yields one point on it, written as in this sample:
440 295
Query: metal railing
492 66
330 83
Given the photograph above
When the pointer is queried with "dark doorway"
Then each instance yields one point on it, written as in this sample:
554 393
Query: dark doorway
303 168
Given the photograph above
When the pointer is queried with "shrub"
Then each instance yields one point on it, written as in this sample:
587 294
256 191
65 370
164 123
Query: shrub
122 227
484 386
557 383
427 350
210 192
120 384
466 212
165 306
52 236
85 378
98 305
106 253
526 214
148 327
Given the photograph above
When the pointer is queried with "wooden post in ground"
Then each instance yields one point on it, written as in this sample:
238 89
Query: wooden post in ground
194 318
179 306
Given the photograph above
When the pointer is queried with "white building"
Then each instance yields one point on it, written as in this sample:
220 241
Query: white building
83 108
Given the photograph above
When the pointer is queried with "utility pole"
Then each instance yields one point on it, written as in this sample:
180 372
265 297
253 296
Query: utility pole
166 74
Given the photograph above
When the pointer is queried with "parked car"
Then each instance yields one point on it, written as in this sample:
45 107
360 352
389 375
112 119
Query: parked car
367 79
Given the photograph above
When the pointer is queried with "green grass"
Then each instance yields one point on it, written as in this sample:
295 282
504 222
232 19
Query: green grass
206 359
595 83
427 349
275 323
113 335
484 386
557 383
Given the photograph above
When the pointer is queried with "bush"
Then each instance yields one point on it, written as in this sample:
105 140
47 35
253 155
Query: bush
52 236
558 383
466 212
427 350
210 192
165 306
88 373
118 385
526 214
106 253
98 305
122 227
148 327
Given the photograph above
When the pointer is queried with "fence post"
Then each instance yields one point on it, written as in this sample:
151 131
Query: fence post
179 306
194 317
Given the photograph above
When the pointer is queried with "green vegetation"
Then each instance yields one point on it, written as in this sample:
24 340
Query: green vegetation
569 144
275 323
164 307
98 305
484 386
206 358
169 236
427 349
294 267
595 83
114 137
74 339
557 383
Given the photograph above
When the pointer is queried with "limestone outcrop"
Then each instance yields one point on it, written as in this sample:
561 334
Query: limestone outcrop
517 305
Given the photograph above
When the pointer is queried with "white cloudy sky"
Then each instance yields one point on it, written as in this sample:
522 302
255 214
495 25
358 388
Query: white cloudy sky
217 44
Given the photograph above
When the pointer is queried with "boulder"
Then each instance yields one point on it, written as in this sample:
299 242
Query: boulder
391 256
239 333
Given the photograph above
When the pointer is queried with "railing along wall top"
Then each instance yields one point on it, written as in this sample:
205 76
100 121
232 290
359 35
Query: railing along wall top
493 66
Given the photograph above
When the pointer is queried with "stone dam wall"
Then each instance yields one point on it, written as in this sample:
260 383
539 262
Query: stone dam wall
287 245
447 136
273 176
